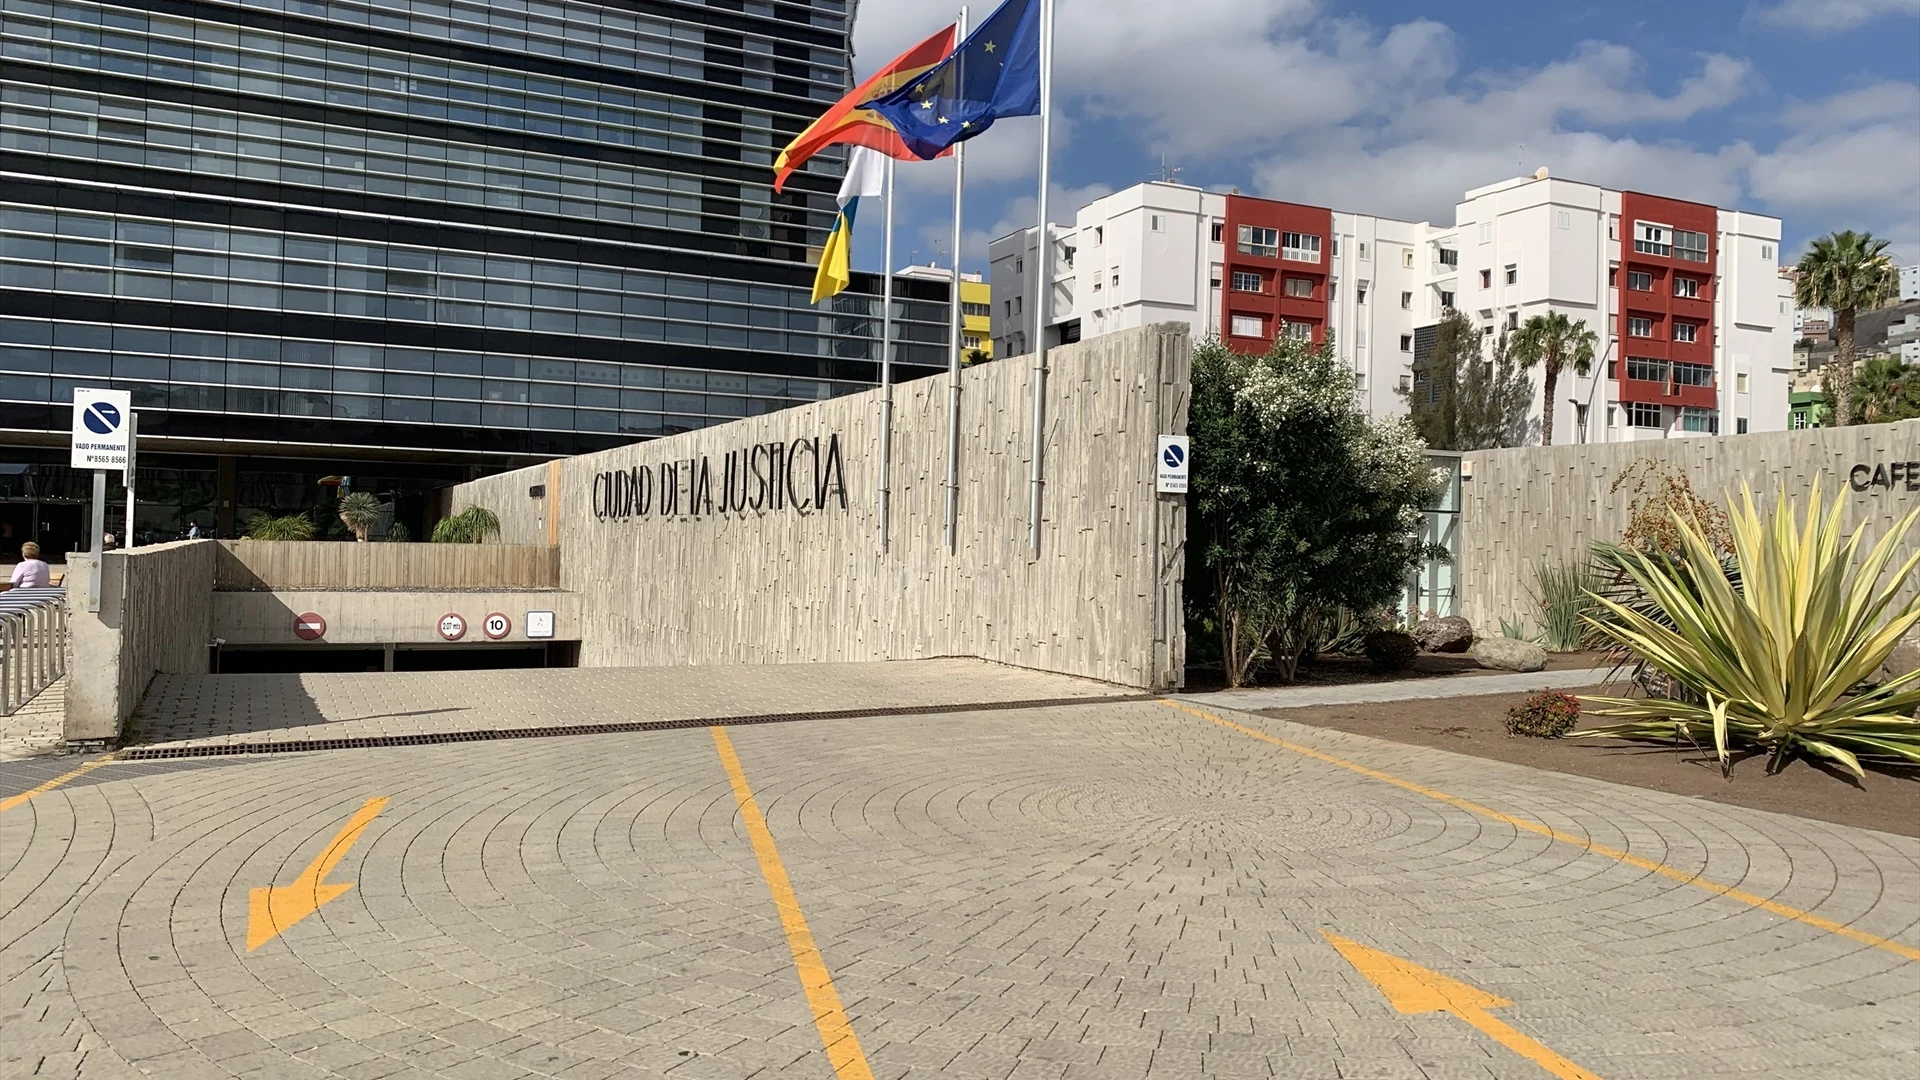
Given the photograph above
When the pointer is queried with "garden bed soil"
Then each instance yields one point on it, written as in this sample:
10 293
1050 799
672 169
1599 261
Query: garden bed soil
1350 670
1888 799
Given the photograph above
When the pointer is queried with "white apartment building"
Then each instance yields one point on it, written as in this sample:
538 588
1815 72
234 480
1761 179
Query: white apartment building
1696 295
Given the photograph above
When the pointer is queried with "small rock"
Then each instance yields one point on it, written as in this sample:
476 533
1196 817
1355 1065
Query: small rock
1509 654
1451 634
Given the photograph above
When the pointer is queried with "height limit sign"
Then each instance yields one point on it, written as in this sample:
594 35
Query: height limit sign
1173 465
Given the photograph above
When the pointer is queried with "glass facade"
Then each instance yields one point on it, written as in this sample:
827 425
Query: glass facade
505 229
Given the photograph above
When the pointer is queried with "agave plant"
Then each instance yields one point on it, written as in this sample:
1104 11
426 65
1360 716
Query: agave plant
1775 658
1565 596
360 512
470 526
289 527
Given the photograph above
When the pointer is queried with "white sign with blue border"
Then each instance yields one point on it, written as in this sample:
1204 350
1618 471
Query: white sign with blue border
1173 465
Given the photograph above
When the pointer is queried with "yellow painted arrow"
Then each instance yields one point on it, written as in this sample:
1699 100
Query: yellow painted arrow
1414 989
275 908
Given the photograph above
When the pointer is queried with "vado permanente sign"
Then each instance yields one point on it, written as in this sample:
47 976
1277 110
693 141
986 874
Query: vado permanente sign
100 426
803 476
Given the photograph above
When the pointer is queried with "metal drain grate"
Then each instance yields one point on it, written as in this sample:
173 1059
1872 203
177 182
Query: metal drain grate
155 753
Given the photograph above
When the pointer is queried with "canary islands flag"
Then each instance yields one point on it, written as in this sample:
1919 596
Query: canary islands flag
994 73
866 176
849 122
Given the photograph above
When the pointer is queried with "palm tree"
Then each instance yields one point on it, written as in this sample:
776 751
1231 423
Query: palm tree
1846 272
1552 341
470 526
360 512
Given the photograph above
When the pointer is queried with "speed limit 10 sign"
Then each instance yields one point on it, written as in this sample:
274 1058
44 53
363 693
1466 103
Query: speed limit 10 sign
452 626
497 625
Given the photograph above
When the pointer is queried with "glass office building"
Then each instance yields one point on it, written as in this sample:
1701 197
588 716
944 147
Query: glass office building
404 241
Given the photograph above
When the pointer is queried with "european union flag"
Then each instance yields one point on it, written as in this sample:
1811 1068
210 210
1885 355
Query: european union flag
994 73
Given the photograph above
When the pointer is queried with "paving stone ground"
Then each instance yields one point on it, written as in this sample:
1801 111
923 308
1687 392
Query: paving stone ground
1097 890
34 729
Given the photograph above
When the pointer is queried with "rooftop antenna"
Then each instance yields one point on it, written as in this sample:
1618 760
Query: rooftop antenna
1168 173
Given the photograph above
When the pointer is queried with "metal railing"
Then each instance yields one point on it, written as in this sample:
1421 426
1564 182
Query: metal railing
33 643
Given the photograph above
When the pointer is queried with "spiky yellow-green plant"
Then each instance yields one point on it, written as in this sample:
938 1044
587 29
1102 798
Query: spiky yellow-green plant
1777 657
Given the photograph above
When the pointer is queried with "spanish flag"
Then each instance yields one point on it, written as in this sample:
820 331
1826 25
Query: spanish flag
847 122
866 176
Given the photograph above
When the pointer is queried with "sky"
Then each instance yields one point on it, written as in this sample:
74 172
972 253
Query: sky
1808 110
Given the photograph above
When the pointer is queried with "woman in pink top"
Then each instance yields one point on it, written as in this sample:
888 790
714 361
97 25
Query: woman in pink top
32 573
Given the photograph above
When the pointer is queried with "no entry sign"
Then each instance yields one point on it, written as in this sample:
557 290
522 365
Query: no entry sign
497 625
309 626
452 627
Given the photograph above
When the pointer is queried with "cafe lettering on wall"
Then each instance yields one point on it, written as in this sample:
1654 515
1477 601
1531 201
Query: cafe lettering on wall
1896 475
802 476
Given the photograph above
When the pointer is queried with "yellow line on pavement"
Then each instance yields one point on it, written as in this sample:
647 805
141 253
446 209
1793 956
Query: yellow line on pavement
836 1031
20 799
1527 825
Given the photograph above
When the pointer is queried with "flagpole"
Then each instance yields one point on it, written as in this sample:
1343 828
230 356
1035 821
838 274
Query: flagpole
955 318
1045 274
886 364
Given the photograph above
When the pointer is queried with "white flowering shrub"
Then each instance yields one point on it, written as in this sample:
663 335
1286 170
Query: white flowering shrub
1301 504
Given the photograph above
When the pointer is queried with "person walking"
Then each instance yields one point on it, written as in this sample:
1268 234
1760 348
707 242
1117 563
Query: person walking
33 572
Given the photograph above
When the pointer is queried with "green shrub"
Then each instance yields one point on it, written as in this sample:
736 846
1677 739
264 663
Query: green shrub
1390 651
1565 596
290 527
1548 714
470 526
1515 629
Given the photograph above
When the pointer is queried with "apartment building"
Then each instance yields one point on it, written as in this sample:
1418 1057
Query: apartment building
976 309
1694 291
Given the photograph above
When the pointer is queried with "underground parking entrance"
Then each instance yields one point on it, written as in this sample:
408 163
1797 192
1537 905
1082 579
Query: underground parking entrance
316 658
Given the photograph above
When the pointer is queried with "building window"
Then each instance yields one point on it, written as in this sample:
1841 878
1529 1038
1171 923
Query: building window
1013 306
1219 231
1646 370
1360 293
1247 281
1099 234
1406 342
1565 220
1116 279
1406 258
1684 331
1702 420
1300 247
1513 274
1257 241
970 341
1299 331
1766 253
1157 222
1214 277
1691 247
1486 279
1096 284
1692 374
1513 320
1449 258
1613 233
1486 232
1406 301
1687 287
982 310
1336 247
1363 251
1613 276
1638 327
1740 384
1651 239
1446 300
1639 281
1300 287
1333 292
1248 326
1740 426
1019 266
1642 415
1800 421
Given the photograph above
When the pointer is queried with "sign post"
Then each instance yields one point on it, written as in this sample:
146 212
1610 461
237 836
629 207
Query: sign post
102 420
133 447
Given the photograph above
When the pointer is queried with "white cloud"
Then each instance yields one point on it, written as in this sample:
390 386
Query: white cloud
1833 16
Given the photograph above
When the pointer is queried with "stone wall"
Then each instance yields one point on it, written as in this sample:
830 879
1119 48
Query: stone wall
1536 507
1102 599
156 607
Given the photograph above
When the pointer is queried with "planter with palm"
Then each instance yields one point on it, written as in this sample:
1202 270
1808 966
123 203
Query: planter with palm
1554 342
1845 272
360 512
